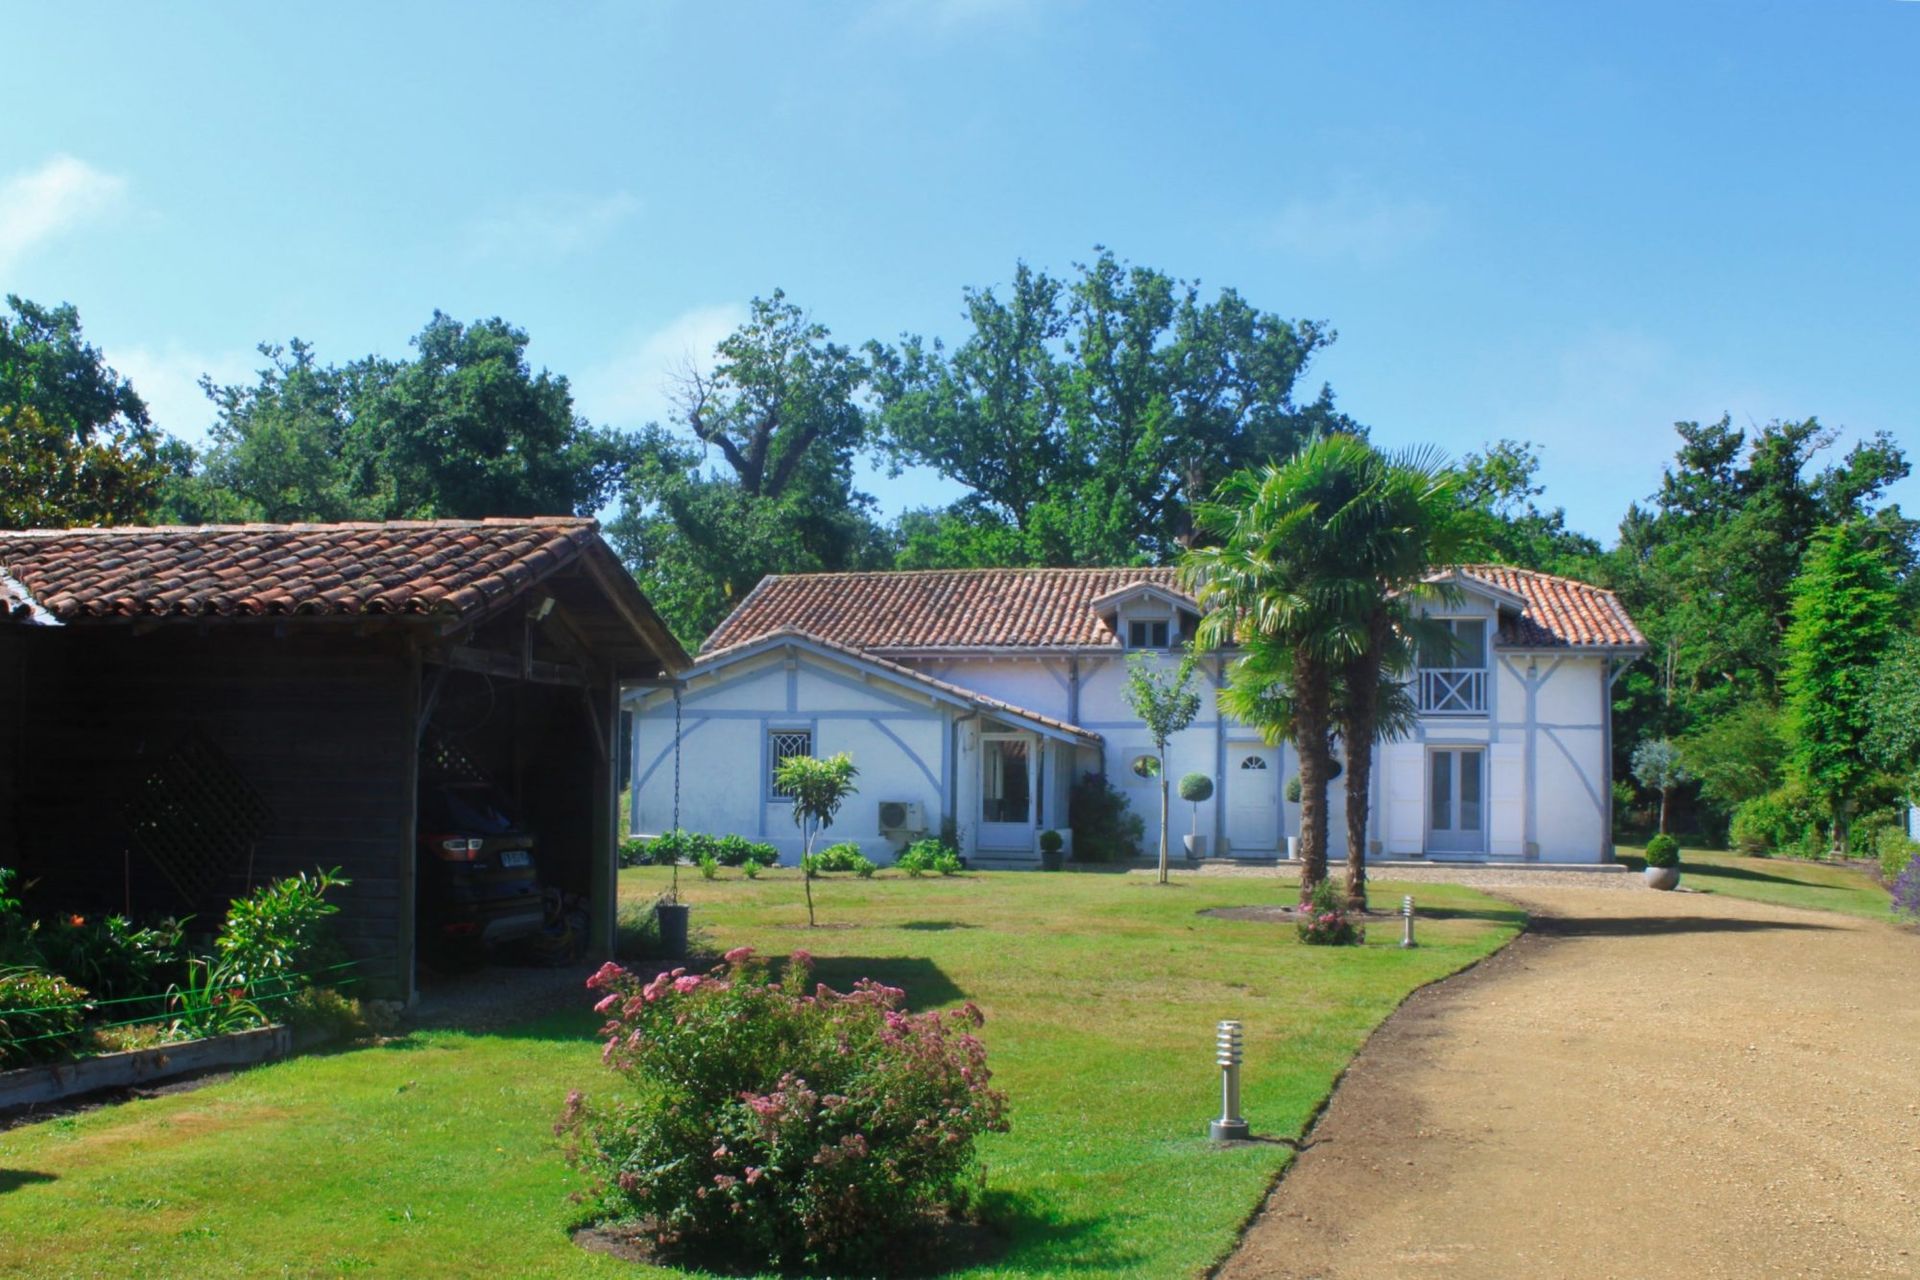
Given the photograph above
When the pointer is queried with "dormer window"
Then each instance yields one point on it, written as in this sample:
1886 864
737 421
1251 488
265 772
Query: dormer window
1452 678
1147 633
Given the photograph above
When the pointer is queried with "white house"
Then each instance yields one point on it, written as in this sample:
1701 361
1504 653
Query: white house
972 700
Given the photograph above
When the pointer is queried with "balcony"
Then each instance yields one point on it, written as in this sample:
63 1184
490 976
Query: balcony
1451 691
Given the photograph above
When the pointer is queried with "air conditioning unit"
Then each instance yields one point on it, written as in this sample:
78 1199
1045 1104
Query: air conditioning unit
901 818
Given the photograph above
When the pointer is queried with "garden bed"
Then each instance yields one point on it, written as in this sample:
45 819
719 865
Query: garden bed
55 1081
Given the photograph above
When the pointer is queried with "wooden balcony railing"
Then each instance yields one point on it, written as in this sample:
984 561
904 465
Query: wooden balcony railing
1451 691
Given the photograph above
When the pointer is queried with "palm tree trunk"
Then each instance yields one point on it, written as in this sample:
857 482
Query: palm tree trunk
1311 699
1360 706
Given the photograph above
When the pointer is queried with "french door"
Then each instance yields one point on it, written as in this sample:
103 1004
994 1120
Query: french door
1456 799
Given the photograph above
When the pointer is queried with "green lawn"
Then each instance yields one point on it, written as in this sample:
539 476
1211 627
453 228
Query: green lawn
1786 882
433 1155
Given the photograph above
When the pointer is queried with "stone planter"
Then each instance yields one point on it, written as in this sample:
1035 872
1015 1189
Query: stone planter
1662 877
1051 861
1293 848
1196 847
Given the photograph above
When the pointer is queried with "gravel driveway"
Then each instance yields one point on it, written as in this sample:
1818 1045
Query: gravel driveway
1645 1085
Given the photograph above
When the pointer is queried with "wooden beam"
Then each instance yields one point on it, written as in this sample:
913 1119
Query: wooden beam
510 666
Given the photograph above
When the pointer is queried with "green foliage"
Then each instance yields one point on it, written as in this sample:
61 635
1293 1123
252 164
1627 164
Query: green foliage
276 934
215 999
466 428
1496 491
637 929
1893 729
1052 841
1658 767
779 1124
1086 415
1196 788
19 934
670 847
816 788
1894 852
709 866
325 1014
930 857
42 1016
1663 851
751 870
76 444
1843 609
113 959
1166 703
1105 827
1736 756
845 856
1785 820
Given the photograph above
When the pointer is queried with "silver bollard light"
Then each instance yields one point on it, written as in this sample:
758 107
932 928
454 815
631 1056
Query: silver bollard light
1227 1050
1406 909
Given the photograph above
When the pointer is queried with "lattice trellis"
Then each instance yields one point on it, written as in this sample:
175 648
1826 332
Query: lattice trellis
196 817
446 759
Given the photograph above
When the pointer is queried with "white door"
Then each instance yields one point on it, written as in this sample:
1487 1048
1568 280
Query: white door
1253 798
1007 787
1456 800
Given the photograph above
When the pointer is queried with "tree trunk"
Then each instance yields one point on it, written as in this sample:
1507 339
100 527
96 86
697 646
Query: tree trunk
1664 793
1311 706
1162 749
1359 726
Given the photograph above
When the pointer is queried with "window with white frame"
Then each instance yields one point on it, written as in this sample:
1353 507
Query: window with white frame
1147 633
784 744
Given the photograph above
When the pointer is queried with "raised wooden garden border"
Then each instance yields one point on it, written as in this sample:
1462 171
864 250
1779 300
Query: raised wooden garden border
52 1081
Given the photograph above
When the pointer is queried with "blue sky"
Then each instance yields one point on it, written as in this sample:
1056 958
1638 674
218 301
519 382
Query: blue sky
1573 223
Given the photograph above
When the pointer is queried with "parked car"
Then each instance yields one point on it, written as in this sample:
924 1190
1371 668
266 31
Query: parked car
479 885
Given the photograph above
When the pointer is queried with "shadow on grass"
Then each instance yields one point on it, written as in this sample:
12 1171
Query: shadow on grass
1498 915
925 982
1711 869
935 926
1652 926
14 1179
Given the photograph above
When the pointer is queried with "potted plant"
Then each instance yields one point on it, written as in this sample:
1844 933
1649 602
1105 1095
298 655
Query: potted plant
670 912
1293 797
1051 843
1663 862
1195 789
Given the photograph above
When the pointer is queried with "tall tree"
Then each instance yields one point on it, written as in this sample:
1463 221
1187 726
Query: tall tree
465 428
1273 576
1498 490
76 444
1843 619
1893 735
781 410
1405 526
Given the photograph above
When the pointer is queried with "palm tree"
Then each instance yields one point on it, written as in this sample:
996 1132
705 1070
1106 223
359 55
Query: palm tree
1275 580
1410 527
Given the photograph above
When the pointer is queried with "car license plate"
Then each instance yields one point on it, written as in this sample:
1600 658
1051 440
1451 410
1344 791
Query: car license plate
515 858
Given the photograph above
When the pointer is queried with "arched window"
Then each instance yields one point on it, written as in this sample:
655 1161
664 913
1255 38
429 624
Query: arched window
1254 762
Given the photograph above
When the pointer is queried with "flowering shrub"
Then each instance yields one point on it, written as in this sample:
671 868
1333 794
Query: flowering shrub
773 1125
1323 922
1906 890
41 1016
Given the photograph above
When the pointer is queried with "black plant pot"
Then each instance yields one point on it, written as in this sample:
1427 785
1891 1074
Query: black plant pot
673 929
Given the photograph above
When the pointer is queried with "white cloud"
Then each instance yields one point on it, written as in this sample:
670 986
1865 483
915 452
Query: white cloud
550 225
1354 223
636 386
168 379
41 204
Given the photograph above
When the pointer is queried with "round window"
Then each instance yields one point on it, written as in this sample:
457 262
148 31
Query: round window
1146 766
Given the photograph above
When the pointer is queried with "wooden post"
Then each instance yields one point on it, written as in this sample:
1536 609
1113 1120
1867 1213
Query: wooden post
412 732
604 868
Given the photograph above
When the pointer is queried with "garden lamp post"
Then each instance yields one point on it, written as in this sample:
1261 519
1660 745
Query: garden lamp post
1228 1047
1406 909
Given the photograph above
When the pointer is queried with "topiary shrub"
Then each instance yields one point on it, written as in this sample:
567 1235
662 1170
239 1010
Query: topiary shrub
774 1125
1105 827
41 1016
1323 921
1663 851
1196 788
929 857
1052 841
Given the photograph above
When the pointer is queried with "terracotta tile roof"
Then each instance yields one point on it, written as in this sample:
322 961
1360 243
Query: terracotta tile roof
973 697
441 568
1561 612
938 608
1054 609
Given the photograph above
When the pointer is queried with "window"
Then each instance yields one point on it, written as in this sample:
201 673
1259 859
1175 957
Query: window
1463 645
1255 763
784 744
1147 633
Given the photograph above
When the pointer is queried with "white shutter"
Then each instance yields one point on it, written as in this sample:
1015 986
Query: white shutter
1507 799
1405 828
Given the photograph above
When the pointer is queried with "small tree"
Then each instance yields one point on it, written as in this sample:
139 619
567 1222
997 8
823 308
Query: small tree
817 788
1196 789
1167 704
1657 767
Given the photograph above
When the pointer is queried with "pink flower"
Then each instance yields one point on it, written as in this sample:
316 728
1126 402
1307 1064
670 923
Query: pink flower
720 1152
605 975
737 955
686 984
607 1002
802 957
754 1175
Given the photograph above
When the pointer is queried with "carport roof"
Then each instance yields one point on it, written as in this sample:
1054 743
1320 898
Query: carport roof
450 572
